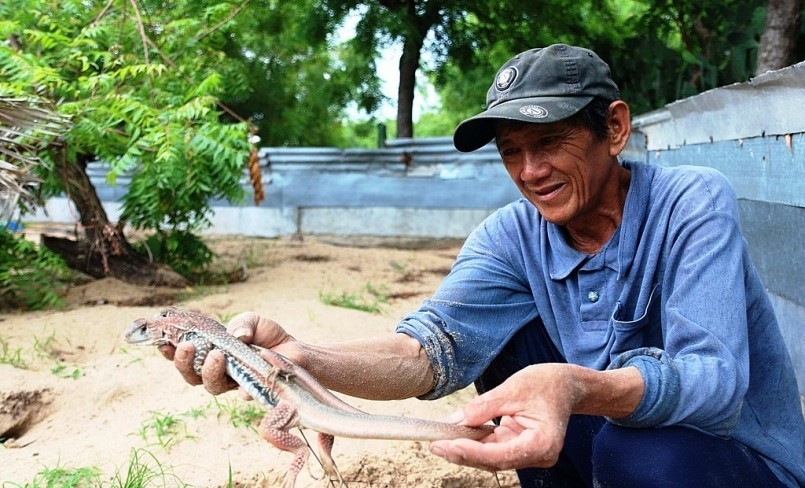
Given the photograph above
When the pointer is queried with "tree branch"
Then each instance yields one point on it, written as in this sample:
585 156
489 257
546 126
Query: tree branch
220 24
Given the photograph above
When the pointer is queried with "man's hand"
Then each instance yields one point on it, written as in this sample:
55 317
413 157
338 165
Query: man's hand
248 327
535 405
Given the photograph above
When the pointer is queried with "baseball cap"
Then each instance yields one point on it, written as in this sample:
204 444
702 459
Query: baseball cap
541 85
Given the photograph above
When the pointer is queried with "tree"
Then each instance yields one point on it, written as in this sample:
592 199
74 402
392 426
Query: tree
779 34
143 99
408 22
293 80
464 34
659 50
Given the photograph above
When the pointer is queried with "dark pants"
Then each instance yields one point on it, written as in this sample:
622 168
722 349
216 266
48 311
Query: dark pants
598 453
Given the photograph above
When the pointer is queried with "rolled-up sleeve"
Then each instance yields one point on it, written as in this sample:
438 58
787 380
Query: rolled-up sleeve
662 389
481 303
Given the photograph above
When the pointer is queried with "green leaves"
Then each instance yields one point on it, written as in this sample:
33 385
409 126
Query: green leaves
29 275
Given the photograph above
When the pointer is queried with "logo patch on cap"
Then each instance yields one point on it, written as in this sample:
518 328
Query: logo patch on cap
505 78
534 111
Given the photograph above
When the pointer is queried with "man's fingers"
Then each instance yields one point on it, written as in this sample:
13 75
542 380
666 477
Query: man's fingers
463 453
213 374
167 351
525 450
183 360
242 326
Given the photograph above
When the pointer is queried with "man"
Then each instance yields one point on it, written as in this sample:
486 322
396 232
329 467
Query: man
611 318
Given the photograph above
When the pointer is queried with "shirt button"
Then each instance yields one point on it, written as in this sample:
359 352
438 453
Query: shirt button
593 296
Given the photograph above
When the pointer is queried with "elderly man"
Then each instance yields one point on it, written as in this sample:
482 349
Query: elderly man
611 319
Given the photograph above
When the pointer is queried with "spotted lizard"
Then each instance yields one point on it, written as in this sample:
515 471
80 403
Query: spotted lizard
294 398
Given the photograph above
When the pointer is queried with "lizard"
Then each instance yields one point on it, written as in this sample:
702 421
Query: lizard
293 397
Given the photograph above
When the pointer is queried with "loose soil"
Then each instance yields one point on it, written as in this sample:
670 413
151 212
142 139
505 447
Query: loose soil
74 395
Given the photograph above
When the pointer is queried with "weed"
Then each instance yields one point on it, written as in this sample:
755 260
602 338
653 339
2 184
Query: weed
62 477
140 473
406 273
377 296
225 317
196 412
64 371
12 357
380 293
241 414
164 427
45 347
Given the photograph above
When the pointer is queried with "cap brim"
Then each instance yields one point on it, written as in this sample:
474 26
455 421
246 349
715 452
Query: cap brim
476 132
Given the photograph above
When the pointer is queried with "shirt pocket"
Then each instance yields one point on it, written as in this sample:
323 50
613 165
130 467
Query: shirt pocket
640 329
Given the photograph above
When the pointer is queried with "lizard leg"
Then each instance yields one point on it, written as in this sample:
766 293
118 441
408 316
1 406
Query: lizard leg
327 462
274 428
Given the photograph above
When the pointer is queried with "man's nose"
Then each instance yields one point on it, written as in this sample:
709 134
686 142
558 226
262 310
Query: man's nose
535 166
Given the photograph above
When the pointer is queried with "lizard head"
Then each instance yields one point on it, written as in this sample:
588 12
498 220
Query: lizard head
155 331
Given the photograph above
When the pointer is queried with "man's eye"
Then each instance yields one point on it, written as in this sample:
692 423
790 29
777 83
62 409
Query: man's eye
549 142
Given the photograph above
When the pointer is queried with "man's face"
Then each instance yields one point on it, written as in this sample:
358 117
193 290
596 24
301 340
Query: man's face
562 170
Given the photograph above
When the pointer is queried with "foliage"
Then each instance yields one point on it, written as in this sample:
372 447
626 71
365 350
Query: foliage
296 77
370 301
659 51
30 276
143 470
183 251
685 47
63 476
143 98
166 430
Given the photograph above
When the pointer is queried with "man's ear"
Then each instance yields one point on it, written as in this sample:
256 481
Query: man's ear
620 126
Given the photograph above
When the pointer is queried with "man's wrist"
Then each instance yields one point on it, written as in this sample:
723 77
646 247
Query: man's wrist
613 393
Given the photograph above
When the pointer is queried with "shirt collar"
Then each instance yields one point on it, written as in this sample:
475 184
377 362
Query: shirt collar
619 252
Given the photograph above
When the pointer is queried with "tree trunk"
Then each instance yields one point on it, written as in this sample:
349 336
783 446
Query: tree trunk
779 34
102 250
409 64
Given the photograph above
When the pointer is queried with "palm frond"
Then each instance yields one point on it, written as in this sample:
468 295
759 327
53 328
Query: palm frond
27 126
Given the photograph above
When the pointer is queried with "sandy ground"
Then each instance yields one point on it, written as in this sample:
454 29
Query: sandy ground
77 396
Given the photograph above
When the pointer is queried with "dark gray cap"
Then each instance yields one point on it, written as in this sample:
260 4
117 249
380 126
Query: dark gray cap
542 85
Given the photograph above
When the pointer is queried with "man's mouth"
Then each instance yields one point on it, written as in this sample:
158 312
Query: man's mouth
546 192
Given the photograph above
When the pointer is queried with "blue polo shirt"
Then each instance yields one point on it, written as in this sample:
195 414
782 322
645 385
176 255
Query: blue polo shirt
673 293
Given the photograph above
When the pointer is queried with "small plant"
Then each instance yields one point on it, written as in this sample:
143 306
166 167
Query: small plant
196 412
241 414
225 317
62 477
141 473
164 427
45 347
406 273
63 371
30 276
12 357
185 252
354 301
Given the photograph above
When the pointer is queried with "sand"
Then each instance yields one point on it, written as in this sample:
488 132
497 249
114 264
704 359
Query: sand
75 396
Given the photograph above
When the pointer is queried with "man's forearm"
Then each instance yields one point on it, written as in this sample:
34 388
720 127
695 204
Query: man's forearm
387 368
613 393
